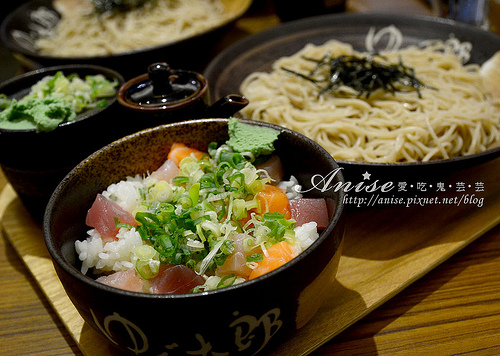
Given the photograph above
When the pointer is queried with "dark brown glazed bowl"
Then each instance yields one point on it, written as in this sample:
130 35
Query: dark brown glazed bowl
22 27
244 319
34 163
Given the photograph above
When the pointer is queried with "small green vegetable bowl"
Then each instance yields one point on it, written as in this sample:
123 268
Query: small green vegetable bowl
242 319
34 161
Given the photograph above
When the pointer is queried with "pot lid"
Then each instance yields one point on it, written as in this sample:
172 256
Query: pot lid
162 88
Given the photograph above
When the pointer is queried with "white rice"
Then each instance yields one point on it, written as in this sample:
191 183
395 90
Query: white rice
112 256
291 187
306 234
126 193
116 255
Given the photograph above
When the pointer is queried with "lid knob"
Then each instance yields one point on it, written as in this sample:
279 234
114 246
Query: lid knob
159 73
163 88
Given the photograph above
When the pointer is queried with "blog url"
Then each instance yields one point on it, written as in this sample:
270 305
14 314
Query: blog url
380 199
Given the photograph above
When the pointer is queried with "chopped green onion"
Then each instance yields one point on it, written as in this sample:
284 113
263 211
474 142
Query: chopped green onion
119 225
145 252
256 186
239 209
180 180
147 269
251 204
185 201
227 281
147 264
194 193
248 244
255 257
101 104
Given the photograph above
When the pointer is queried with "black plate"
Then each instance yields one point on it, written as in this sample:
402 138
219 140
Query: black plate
23 26
257 53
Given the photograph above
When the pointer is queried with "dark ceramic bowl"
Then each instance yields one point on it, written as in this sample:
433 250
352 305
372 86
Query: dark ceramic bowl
243 319
34 163
23 26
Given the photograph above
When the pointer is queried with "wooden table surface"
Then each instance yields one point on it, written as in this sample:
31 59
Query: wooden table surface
454 309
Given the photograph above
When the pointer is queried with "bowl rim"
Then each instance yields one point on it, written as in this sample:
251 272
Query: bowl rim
336 218
45 71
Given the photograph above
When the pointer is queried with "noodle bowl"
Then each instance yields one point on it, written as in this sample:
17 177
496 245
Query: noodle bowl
82 33
455 116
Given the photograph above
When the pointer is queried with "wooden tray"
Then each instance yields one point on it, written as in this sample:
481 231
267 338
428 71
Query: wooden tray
385 250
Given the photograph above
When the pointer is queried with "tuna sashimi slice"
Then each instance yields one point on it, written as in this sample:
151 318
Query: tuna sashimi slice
304 210
126 280
274 168
101 216
175 279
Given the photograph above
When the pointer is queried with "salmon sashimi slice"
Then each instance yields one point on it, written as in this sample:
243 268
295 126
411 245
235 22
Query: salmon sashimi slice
179 150
277 255
273 200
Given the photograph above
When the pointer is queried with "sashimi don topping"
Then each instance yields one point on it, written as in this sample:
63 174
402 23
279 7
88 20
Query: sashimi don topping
202 221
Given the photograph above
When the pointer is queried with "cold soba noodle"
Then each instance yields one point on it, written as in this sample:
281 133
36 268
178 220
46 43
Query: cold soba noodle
452 114
82 32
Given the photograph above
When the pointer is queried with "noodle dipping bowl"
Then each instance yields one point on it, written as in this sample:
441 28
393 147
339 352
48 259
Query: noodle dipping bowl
244 319
35 162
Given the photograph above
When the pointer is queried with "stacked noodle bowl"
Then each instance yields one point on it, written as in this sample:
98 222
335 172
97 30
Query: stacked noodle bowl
455 116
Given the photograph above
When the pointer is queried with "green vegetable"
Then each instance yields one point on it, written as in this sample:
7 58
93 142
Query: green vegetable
279 226
82 94
227 281
170 229
119 225
194 193
54 100
255 257
147 263
4 102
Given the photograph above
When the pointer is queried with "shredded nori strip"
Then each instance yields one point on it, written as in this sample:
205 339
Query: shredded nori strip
101 6
363 74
